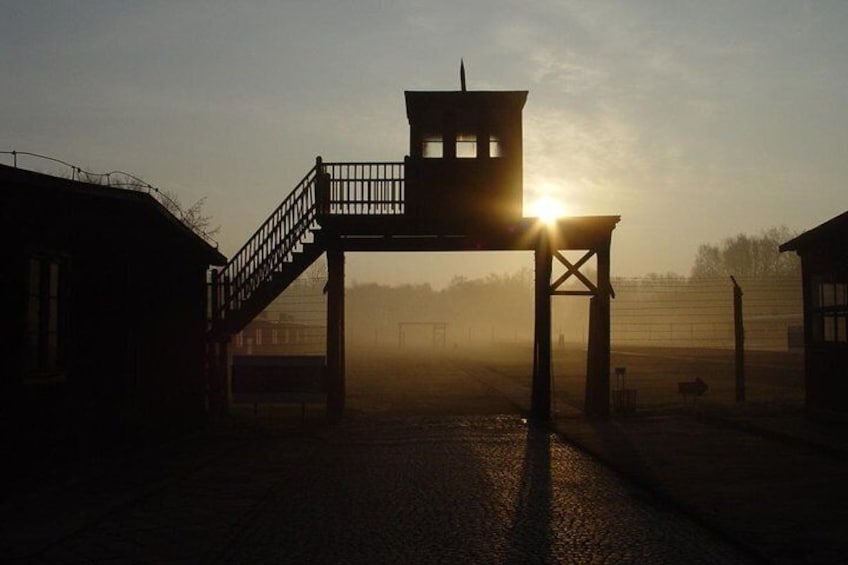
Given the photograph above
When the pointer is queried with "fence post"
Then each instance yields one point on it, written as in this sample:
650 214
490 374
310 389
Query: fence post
739 341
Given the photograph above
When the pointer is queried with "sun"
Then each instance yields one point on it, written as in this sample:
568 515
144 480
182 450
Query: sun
547 209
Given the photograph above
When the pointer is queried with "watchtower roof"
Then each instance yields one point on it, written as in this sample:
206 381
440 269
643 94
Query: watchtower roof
422 102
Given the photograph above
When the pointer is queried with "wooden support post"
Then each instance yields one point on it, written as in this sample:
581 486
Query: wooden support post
214 298
342 340
322 187
540 401
739 341
222 377
598 362
335 334
213 325
215 378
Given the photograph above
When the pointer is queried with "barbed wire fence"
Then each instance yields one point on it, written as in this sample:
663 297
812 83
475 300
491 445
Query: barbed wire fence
124 180
671 330
698 313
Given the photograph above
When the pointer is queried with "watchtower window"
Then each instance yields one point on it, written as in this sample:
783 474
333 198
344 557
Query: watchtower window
432 147
466 146
495 147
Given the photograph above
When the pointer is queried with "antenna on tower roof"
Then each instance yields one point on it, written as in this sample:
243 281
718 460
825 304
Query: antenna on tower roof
462 74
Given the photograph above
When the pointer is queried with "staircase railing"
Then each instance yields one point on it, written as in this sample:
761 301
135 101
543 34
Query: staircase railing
275 240
339 189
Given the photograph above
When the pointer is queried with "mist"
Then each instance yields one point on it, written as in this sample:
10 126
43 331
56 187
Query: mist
468 312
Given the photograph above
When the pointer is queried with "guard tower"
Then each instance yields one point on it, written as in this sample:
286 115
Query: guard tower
464 169
459 189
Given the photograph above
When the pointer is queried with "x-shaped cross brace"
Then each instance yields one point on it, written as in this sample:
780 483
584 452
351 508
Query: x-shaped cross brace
574 269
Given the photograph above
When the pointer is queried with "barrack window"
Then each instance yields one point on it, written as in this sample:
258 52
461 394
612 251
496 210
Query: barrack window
830 310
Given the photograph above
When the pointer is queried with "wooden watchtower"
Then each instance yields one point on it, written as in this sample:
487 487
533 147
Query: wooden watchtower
459 189
464 167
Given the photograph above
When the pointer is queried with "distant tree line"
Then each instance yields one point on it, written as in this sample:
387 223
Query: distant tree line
494 308
661 306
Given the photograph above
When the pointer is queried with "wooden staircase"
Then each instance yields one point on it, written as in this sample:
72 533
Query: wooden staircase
288 242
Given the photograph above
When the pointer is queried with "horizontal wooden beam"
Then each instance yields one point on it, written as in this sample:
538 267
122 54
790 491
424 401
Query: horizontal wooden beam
573 293
401 233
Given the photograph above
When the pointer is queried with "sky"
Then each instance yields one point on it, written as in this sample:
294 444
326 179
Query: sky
694 121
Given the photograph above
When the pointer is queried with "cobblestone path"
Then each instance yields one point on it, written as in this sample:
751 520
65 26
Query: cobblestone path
484 489
437 467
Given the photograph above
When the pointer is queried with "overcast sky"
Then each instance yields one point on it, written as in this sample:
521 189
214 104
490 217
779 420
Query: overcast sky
692 120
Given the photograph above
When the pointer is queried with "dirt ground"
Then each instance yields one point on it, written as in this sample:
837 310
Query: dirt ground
496 379
428 379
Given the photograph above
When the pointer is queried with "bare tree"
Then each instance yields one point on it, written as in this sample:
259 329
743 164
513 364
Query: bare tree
192 216
747 256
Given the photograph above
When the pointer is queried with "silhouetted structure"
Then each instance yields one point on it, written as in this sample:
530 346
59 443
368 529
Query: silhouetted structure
279 337
459 189
103 294
437 330
464 168
824 264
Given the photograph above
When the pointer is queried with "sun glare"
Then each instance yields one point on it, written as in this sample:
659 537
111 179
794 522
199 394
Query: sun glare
547 209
